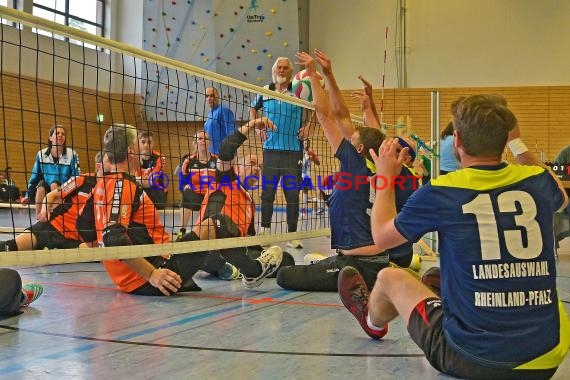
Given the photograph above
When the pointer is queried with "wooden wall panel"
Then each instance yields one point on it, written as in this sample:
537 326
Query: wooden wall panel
543 111
28 108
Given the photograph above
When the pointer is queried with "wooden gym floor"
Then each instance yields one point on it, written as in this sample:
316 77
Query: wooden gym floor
82 327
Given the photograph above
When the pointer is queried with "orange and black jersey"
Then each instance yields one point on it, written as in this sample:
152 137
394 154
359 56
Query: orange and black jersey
230 198
152 165
74 210
121 203
200 172
120 200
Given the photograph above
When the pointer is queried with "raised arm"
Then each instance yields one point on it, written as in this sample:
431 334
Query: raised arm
526 157
338 107
368 91
368 111
388 161
322 103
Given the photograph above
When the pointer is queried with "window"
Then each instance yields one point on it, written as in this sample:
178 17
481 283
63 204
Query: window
86 15
9 4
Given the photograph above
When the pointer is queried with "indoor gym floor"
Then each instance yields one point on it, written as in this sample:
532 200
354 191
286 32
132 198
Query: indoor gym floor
82 327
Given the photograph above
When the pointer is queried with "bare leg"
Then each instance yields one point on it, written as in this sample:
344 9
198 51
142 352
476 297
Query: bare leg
26 241
205 230
186 213
396 292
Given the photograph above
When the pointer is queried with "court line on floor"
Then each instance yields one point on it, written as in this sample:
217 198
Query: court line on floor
253 301
123 340
200 348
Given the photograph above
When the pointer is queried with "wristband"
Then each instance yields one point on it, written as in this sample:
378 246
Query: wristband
517 146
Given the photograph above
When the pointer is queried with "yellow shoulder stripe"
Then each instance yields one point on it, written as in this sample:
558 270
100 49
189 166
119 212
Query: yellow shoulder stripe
479 179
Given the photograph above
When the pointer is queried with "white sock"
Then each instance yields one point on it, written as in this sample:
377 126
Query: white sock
372 327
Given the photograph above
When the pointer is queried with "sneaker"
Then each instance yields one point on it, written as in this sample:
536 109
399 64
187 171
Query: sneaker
320 211
31 292
354 294
295 244
270 260
229 272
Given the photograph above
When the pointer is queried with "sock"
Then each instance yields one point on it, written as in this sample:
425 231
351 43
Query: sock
371 325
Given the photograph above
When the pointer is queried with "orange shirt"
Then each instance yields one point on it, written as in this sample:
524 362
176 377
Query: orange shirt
120 200
238 205
201 173
74 194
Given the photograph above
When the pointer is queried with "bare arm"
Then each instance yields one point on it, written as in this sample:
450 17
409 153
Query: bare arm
52 200
368 91
338 107
529 158
165 280
370 119
389 164
321 102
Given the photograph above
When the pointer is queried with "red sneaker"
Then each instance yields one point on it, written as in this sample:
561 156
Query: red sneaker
354 295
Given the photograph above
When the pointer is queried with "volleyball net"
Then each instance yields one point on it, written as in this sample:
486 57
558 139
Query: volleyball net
53 75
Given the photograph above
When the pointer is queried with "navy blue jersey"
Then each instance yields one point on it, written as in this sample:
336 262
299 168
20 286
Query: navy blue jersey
498 273
351 201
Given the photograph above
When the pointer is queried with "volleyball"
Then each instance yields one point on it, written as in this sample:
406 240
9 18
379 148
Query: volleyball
302 85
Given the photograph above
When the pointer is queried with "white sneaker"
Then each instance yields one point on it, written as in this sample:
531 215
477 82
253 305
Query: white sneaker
270 260
313 258
295 244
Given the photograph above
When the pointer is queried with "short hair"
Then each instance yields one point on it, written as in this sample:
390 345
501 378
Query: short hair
214 89
484 122
447 131
455 103
145 134
274 67
117 140
98 157
370 138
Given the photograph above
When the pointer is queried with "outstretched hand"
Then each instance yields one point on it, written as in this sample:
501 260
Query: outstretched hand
367 86
363 98
390 158
324 61
306 60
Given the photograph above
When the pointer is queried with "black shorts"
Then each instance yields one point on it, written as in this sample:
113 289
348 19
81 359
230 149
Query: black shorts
192 199
48 237
426 329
